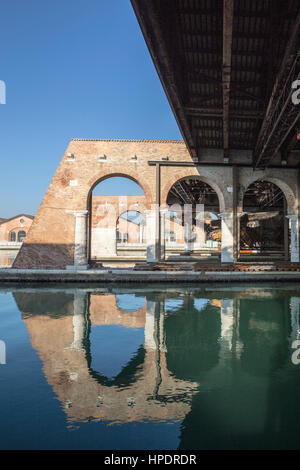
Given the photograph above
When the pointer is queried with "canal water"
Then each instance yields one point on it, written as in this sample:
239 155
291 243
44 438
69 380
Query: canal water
150 367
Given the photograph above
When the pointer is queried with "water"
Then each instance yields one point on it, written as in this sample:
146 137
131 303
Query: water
158 367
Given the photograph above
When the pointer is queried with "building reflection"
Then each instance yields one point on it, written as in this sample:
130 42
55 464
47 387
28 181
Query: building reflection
213 359
143 390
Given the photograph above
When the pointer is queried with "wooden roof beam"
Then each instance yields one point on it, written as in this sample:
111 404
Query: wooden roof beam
204 112
226 68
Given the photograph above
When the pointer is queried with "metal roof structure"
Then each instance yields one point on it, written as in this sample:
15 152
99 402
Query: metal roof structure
227 67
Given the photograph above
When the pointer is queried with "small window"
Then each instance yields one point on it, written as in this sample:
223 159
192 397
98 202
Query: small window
119 237
170 236
22 221
125 238
21 235
12 236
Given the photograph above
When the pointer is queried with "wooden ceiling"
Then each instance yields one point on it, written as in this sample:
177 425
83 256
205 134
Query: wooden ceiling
227 67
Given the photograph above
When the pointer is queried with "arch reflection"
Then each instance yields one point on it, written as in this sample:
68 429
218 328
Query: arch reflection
203 356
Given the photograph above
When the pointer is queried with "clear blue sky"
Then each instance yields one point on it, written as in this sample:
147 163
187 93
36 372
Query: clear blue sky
73 69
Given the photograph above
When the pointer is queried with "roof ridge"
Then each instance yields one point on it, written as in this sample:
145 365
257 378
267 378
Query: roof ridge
177 141
15 216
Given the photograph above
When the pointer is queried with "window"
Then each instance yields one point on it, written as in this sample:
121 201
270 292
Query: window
170 236
21 235
22 221
12 236
119 237
125 238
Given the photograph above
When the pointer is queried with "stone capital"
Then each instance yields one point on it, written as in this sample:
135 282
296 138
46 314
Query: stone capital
163 211
292 217
150 212
77 213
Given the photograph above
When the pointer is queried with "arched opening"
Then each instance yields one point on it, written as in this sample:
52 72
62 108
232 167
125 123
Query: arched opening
130 302
116 221
264 228
192 225
130 234
21 236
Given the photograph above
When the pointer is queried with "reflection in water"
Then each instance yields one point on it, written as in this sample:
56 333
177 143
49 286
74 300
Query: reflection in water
216 361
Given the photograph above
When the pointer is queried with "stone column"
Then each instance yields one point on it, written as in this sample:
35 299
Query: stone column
150 341
294 228
227 245
227 323
151 242
162 234
286 233
188 229
200 230
80 240
238 236
79 320
141 232
295 318
154 326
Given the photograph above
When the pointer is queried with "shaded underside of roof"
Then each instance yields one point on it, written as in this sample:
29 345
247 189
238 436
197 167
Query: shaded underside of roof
220 62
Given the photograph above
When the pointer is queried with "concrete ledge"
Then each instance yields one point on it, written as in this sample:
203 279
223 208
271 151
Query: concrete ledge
128 275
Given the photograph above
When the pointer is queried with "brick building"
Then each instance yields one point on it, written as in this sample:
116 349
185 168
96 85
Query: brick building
62 232
15 229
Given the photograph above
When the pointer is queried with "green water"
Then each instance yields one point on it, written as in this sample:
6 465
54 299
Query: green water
156 367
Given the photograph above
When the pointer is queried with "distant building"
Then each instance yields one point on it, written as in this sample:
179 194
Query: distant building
15 229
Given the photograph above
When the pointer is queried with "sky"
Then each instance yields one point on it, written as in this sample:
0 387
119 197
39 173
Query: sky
72 69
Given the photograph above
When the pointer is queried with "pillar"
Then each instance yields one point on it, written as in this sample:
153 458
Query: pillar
286 233
188 228
227 324
151 242
141 232
80 240
294 247
295 318
79 320
199 230
238 236
163 234
154 326
150 341
227 243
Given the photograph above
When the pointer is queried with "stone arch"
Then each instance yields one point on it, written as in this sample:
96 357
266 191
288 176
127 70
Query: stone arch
206 180
132 176
103 226
285 188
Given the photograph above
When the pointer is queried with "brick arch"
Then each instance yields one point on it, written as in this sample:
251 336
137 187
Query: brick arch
206 180
282 185
132 176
